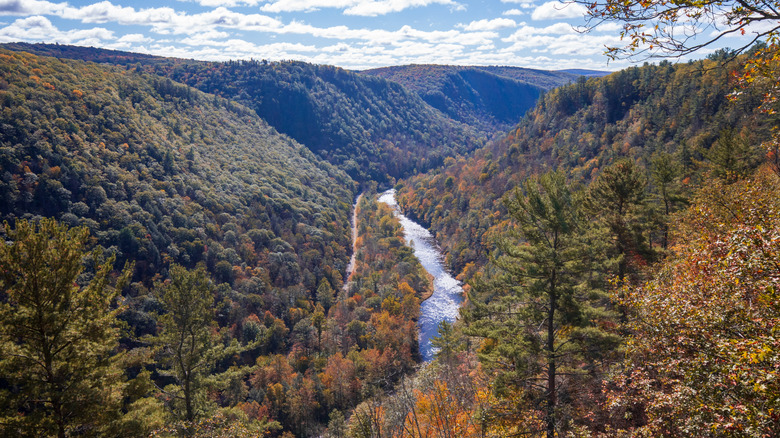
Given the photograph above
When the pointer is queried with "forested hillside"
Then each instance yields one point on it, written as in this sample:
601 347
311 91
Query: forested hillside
207 203
162 173
620 251
173 265
371 128
680 112
490 98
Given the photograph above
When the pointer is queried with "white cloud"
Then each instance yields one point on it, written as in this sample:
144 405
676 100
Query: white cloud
494 24
29 7
208 38
553 29
609 27
369 8
40 29
556 10
214 32
228 3
306 5
373 8
134 38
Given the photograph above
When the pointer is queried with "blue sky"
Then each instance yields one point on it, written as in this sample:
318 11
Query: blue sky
354 34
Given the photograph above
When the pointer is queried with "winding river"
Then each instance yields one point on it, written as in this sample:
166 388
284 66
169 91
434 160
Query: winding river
447 295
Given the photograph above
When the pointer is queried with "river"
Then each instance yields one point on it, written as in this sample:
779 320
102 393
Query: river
447 295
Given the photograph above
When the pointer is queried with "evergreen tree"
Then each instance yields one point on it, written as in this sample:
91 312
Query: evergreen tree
448 343
732 157
186 338
615 197
58 331
538 325
325 293
665 173
189 345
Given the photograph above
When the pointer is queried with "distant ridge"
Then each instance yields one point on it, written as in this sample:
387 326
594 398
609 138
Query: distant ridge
585 72
489 98
372 128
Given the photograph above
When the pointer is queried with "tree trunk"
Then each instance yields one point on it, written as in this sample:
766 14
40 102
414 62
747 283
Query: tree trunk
188 399
551 401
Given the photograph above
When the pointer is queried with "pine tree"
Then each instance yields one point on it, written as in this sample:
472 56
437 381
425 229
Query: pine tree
186 337
189 346
325 293
665 172
615 197
448 342
58 332
536 317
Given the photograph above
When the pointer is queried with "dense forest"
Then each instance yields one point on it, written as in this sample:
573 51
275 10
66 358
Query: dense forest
373 129
217 218
676 113
490 100
178 234
617 245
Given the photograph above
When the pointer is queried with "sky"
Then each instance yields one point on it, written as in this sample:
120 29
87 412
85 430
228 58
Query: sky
353 34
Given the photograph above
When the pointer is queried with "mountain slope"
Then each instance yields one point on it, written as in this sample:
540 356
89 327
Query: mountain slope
490 98
163 173
372 128
581 128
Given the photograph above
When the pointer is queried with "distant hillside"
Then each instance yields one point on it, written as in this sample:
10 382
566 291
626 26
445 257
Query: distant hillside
372 128
163 173
586 73
679 109
490 98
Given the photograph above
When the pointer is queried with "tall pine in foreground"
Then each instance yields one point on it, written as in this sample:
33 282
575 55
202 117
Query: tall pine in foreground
538 319
57 333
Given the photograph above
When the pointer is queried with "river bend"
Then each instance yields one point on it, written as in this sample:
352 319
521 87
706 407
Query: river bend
447 295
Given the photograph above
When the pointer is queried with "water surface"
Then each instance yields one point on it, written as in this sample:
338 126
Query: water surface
447 295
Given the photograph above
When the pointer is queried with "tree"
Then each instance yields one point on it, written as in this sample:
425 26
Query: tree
615 197
448 342
325 293
732 156
186 334
58 332
681 27
665 172
538 329
703 351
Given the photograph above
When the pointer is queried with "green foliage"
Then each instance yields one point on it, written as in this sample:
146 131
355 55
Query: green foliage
665 174
185 338
325 294
490 99
581 128
615 197
231 192
58 332
448 343
732 156
165 175
371 128
537 324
